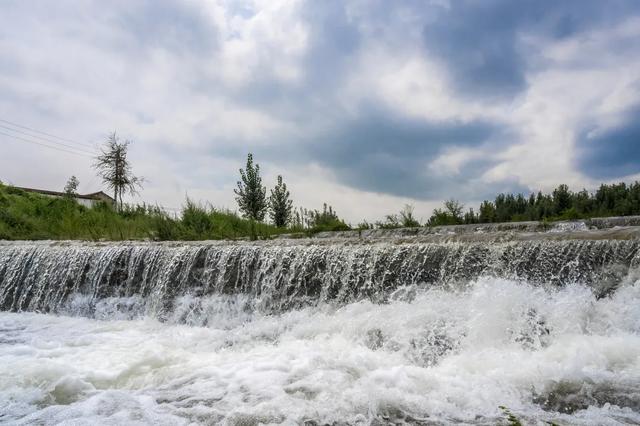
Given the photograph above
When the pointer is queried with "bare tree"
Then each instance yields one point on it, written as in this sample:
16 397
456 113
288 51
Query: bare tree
114 168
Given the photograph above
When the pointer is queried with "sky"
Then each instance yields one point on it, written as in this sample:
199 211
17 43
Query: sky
365 105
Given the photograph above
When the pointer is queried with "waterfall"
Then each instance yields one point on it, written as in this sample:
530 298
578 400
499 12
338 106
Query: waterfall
382 327
88 279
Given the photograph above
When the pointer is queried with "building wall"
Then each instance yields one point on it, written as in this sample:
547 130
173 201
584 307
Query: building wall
82 201
85 202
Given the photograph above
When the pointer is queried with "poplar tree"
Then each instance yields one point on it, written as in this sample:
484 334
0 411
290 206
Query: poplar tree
71 187
114 168
280 205
250 194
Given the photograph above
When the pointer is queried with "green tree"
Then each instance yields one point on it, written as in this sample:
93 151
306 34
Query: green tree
280 205
561 199
71 187
470 216
114 168
487 212
404 219
454 208
450 215
250 194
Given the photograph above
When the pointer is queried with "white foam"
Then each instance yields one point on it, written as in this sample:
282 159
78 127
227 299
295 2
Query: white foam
446 356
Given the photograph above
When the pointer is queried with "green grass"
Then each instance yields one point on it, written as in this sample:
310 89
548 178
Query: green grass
29 216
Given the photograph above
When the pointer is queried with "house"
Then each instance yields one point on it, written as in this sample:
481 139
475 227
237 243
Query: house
87 200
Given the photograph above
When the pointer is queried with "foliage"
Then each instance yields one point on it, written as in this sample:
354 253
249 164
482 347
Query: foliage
404 219
487 212
195 220
313 221
562 204
207 223
30 216
470 216
365 225
27 215
280 205
299 219
450 215
250 194
71 187
391 221
326 220
114 168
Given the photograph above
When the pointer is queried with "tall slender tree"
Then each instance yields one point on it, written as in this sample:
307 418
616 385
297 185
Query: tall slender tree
280 205
114 168
71 187
250 194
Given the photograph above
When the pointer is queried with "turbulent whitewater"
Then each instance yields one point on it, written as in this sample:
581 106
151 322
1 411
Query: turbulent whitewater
436 327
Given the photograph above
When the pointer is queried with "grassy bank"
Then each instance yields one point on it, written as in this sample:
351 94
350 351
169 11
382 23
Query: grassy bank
29 216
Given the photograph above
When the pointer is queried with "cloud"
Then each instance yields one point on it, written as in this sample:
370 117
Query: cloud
174 26
483 43
383 152
611 152
410 101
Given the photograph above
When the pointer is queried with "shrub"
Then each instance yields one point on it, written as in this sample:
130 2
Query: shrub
325 220
195 220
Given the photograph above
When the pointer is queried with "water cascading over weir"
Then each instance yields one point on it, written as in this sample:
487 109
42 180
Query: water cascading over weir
187 282
470 324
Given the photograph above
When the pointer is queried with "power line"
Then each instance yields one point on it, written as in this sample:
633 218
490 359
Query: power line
46 139
46 134
45 145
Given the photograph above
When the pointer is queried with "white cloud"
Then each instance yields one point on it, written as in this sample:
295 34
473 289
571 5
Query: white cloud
219 79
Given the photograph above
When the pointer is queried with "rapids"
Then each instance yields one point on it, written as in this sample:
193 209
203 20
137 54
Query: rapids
438 328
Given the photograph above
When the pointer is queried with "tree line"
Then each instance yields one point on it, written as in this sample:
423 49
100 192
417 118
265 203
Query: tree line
618 199
256 204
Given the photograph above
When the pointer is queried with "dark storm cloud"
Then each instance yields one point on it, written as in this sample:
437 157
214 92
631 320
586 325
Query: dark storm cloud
380 151
335 38
480 41
377 150
614 152
383 152
481 44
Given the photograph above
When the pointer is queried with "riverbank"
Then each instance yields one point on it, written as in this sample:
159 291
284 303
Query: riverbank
30 216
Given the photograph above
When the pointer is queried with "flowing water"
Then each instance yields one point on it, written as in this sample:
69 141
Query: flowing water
381 329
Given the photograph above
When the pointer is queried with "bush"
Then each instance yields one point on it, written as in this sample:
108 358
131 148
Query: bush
195 220
326 220
163 227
